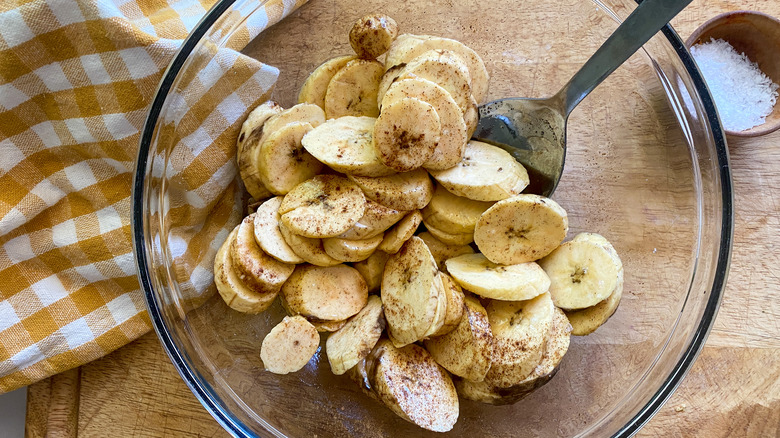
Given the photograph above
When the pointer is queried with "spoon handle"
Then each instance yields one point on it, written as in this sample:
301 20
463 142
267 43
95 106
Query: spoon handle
647 19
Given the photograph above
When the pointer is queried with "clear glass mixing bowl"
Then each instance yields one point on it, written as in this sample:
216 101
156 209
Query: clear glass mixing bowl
647 167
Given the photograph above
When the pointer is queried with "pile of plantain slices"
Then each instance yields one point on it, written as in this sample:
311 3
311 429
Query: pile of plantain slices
481 303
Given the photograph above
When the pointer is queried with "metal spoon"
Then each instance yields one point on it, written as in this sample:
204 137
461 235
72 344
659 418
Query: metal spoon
534 130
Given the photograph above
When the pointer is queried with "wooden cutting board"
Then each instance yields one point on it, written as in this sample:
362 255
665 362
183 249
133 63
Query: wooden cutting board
733 389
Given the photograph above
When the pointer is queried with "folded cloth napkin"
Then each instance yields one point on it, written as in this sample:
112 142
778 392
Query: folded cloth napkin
76 82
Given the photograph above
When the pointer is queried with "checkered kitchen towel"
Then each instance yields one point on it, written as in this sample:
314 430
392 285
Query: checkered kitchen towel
76 81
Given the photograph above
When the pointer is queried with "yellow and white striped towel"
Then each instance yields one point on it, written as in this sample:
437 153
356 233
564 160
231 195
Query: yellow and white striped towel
76 82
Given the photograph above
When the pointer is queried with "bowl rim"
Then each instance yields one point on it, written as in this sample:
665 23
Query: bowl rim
204 392
756 131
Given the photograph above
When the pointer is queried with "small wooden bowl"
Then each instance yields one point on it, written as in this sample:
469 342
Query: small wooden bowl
756 35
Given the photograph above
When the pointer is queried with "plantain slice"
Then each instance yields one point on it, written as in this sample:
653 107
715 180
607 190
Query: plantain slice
352 343
406 47
282 163
449 238
353 89
402 191
376 220
372 269
521 229
452 142
269 236
456 214
348 250
400 233
584 272
409 382
248 141
323 206
316 85
310 250
332 293
289 346
410 292
485 173
346 145
455 308
446 69
520 332
518 282
253 266
556 347
236 294
465 351
442 251
406 133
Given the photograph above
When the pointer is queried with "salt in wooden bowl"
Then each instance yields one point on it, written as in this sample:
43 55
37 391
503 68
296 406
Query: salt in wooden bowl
756 35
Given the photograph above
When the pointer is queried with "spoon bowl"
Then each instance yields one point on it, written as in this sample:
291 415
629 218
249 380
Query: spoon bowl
534 130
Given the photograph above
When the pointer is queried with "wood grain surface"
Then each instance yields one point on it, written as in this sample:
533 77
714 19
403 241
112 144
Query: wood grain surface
733 390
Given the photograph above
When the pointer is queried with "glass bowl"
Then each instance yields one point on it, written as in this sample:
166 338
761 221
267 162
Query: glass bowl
647 167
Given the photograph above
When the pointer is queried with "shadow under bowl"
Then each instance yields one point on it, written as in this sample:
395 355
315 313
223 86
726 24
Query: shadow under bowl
757 35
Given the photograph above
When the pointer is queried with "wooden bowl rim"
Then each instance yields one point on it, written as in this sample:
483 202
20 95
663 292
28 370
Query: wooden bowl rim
755 131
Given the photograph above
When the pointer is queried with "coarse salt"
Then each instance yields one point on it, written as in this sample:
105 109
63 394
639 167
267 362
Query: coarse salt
743 94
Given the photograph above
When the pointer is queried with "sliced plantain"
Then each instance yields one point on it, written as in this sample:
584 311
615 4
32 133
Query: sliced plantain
346 145
323 206
313 90
406 134
236 294
446 69
388 79
268 235
372 35
410 292
449 238
352 343
248 141
282 163
586 321
452 142
327 326
310 250
498 282
555 348
402 191
402 44
353 89
407 47
454 308
485 173
440 316
332 293
409 382
456 214
302 112
351 250
400 233
583 272
520 332
442 251
254 267
521 229
372 269
321 325
466 351
289 346
376 220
